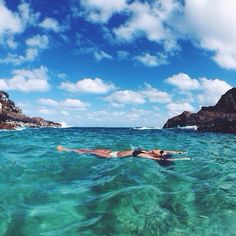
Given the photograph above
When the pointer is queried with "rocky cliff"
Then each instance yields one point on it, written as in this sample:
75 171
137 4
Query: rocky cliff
12 117
218 118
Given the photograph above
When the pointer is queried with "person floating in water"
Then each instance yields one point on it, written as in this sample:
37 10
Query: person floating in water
154 154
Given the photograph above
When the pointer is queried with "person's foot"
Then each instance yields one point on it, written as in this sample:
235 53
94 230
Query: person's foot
60 148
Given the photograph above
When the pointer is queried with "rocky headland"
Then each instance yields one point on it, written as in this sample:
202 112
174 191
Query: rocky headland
218 118
11 117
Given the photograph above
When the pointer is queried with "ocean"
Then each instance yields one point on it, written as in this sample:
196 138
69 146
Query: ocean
45 192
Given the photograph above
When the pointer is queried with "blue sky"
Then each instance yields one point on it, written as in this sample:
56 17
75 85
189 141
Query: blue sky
116 62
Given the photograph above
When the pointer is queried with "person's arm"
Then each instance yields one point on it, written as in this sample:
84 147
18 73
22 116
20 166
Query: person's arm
148 156
174 152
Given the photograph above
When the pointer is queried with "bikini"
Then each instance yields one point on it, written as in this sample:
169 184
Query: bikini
114 154
139 150
136 152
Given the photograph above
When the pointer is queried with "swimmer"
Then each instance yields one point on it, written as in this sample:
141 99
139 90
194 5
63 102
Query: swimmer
154 154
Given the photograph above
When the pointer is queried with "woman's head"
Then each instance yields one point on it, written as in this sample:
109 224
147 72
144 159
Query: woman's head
159 153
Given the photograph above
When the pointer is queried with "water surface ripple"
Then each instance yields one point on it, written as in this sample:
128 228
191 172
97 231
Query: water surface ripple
44 192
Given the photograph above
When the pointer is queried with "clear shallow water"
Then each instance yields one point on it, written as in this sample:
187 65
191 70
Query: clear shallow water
45 192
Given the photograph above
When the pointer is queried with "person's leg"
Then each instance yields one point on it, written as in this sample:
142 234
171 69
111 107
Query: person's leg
105 153
82 150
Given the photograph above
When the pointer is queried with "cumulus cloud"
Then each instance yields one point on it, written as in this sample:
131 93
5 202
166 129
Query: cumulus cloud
27 80
10 22
183 82
143 19
50 24
74 103
152 60
15 22
48 102
207 91
206 24
177 108
148 20
125 97
68 103
212 90
102 10
154 95
210 24
88 85
38 41
35 45
148 93
117 116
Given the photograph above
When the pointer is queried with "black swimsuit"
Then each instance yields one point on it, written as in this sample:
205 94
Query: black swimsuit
136 152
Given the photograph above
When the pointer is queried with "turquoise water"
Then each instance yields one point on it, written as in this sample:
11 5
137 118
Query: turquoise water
45 192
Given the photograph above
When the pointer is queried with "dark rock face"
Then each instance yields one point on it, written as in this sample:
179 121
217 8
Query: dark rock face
218 118
12 117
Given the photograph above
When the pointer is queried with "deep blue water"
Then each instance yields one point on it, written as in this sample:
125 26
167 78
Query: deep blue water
45 192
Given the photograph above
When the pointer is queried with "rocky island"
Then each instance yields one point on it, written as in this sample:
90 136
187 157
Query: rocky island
11 117
218 118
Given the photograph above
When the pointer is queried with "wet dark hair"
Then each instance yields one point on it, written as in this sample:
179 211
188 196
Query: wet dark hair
165 163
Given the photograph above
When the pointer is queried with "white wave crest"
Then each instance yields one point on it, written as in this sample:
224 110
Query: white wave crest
192 127
145 128
65 125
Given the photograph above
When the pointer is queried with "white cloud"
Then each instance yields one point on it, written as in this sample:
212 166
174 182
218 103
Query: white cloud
99 55
11 42
210 23
143 19
96 52
27 80
206 23
142 22
30 55
88 85
27 15
212 90
34 45
38 41
68 103
183 82
10 22
48 102
65 113
15 22
177 108
50 24
74 103
102 10
154 95
125 97
133 117
207 91
150 60
46 111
